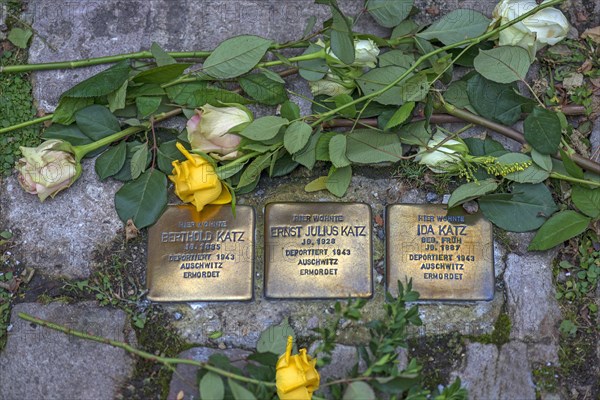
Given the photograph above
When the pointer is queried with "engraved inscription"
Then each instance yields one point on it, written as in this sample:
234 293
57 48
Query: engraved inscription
189 252
446 256
307 245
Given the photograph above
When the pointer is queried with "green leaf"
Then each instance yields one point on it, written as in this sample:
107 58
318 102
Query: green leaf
239 392
542 130
20 37
264 128
526 209
138 160
398 58
147 105
215 97
284 165
338 180
470 191
117 99
456 26
405 28
167 153
322 150
544 161
212 387
67 107
495 101
103 83
572 169
366 146
504 64
389 13
342 40
561 227
401 115
274 338
183 94
263 89
415 134
236 56
315 69
359 391
161 56
162 74
456 94
296 136
145 89
378 78
485 147
142 199
414 88
315 185
97 122
337 151
252 172
342 100
290 110
124 174
111 161
586 200
229 170
307 156
70 133
531 174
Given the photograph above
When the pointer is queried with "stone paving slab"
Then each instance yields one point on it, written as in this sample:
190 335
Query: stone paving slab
39 363
58 237
499 374
184 383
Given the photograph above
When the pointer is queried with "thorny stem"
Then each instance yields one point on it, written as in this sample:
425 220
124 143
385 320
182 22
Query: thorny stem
81 151
26 124
562 177
97 61
514 134
427 56
169 362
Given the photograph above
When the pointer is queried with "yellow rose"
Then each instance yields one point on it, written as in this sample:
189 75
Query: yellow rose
296 376
196 181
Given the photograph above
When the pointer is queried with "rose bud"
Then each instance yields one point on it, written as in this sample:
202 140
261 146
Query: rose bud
296 376
208 130
47 169
197 182
445 157
547 26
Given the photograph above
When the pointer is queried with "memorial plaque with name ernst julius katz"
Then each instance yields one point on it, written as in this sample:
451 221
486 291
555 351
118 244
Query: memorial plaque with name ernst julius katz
318 250
448 257
206 256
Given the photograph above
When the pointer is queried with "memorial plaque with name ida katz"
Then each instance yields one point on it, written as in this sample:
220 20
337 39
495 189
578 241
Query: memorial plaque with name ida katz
448 257
318 250
206 256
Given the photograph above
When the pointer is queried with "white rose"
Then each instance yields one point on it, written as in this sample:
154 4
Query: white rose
443 157
547 26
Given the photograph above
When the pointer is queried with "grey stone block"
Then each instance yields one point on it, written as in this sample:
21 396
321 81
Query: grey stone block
185 382
499 374
39 363
532 307
58 236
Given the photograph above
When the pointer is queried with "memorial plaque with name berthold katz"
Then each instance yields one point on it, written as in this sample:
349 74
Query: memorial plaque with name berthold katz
318 250
448 257
206 256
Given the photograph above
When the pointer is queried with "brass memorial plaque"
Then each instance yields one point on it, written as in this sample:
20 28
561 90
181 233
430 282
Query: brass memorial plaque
318 250
448 257
204 256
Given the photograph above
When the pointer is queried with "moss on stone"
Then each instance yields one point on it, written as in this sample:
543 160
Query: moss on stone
500 335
